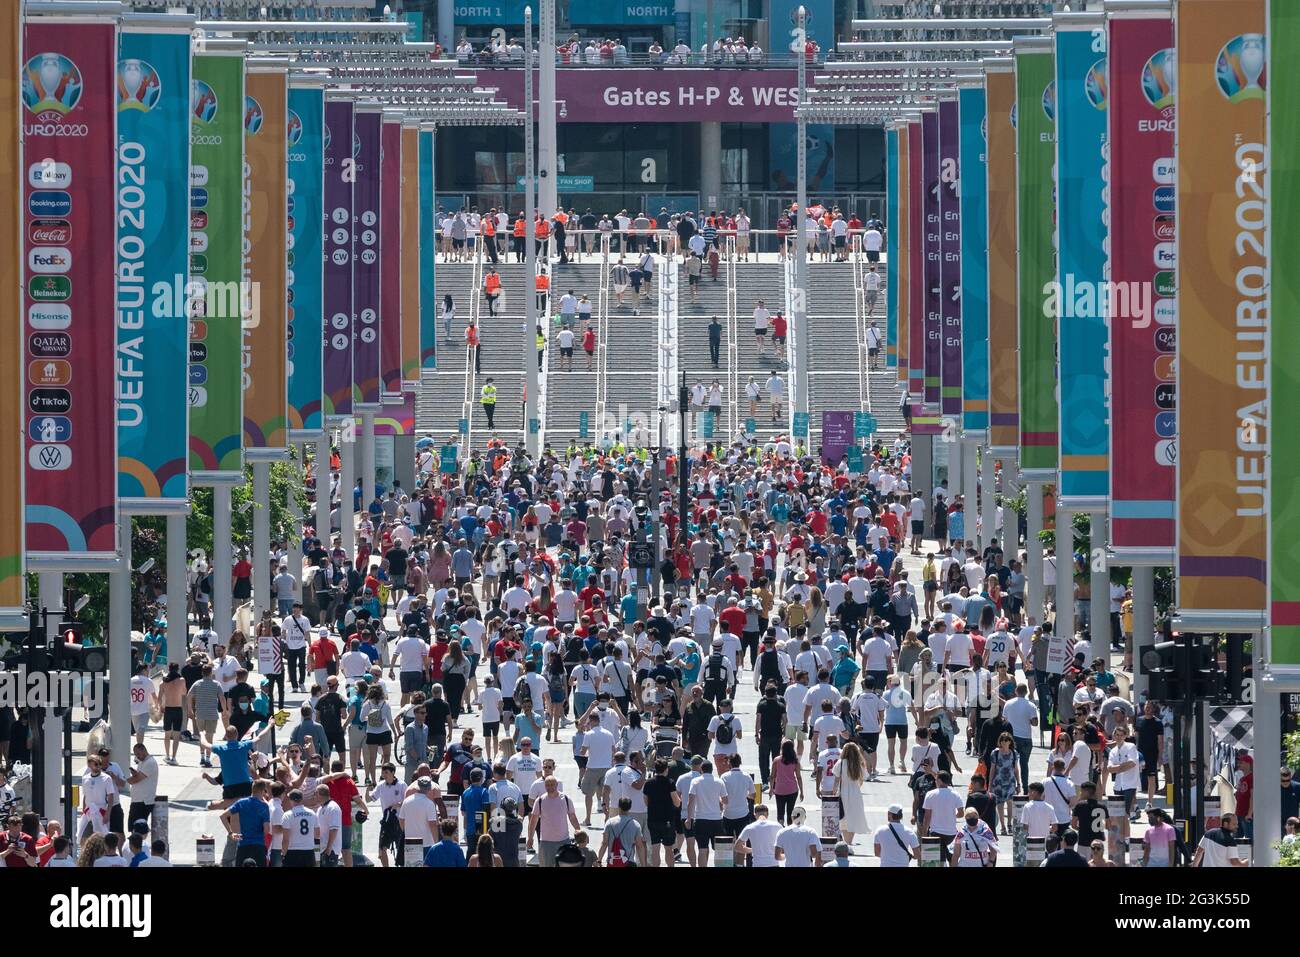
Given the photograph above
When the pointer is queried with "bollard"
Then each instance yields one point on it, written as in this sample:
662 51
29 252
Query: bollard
931 851
831 818
1035 851
828 850
523 853
1213 812
358 841
1135 847
205 851
1116 820
1019 833
160 824
413 852
724 851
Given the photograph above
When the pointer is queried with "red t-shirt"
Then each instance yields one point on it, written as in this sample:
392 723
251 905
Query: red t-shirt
588 593
1245 794
734 618
436 652
342 791
323 651
817 522
779 326
25 841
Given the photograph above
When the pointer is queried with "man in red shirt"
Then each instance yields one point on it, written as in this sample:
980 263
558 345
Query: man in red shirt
589 593
344 793
324 655
16 848
733 616
1245 793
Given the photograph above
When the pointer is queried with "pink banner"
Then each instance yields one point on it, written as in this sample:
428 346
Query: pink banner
1144 314
390 262
69 93
662 96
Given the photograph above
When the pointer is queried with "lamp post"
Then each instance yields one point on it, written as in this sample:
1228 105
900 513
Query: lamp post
529 345
800 301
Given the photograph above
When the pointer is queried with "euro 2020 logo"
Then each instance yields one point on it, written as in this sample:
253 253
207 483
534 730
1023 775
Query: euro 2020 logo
1240 68
1160 78
51 84
138 86
253 116
294 128
1094 84
203 101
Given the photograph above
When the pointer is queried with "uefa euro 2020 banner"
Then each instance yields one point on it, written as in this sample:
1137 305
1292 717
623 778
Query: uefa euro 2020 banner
933 251
153 290
69 83
891 248
1223 314
265 190
1003 374
974 261
13 581
950 249
216 254
1035 164
305 132
1143 431
392 273
340 177
366 227
428 241
1081 295
410 256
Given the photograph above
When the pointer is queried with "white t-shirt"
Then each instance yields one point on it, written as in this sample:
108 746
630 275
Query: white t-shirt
892 852
958 648
600 748
411 653
586 676
876 652
490 702
796 842
330 818
827 725
944 804
1058 792
418 814
113 860
732 746
1121 754
1038 817
707 792
761 836
868 708
525 768
760 317
301 823
826 762
997 648
142 690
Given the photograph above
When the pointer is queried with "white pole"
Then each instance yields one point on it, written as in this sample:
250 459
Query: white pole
1144 625
261 539
323 489
177 590
989 504
1268 782
1100 581
800 305
223 608
293 542
1035 604
970 490
367 442
1064 572
119 649
529 344
548 186
347 479
51 598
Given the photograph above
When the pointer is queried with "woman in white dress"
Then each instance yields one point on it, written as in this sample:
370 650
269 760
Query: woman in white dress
849 776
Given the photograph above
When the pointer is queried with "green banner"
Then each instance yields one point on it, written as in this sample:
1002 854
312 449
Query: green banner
1283 189
1035 161
216 262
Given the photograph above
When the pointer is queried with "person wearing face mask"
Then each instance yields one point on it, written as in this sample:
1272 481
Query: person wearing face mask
240 698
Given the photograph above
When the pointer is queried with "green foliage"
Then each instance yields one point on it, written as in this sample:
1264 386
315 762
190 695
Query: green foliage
1288 855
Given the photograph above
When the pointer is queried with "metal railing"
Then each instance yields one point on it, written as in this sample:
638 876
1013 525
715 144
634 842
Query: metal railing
667 346
792 342
543 320
471 383
862 324
602 342
733 343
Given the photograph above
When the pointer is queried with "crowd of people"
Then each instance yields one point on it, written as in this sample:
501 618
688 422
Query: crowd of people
502 49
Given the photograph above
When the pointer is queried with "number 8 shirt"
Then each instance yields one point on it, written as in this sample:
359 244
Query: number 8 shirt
300 823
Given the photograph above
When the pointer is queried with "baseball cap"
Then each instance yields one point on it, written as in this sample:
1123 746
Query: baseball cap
895 809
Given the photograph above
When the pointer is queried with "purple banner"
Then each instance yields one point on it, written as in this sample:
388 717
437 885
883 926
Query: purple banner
365 259
933 232
837 436
662 96
338 258
950 246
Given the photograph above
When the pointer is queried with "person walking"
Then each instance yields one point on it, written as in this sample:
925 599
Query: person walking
715 340
488 399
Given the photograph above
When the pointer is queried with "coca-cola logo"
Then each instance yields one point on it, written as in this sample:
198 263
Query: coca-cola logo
49 232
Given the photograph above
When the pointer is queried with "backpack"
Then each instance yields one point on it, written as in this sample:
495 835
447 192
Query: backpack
724 734
522 693
618 853
715 671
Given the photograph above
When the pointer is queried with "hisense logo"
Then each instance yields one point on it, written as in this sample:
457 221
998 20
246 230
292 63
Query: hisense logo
78 911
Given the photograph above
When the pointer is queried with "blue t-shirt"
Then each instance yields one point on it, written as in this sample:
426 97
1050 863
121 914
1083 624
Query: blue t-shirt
233 756
843 672
472 802
627 607
839 522
691 667
445 854
253 814
140 856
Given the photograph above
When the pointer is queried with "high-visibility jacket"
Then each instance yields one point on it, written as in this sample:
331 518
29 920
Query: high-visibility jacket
471 335
489 395
519 228
543 282
543 229
486 228
541 342
492 283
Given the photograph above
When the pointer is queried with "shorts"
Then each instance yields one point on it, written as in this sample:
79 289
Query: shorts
706 832
140 722
760 333
558 697
508 706
236 791
873 256
693 279
841 242
1150 763
931 586
356 736
593 779
796 733
663 833
870 741
382 738
207 727
566 352
896 731
411 681
918 526
250 855
173 719
116 819
491 728
1130 798
780 339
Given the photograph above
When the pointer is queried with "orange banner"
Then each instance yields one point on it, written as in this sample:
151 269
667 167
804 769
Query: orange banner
410 271
1004 370
903 258
13 590
1222 312
266 173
